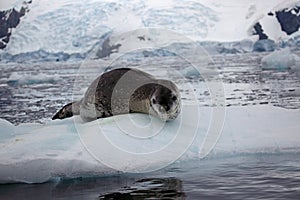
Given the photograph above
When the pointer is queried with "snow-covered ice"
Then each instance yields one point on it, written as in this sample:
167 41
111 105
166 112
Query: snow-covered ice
68 148
190 72
282 59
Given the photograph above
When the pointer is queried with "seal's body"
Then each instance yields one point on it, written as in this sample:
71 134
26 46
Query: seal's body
126 90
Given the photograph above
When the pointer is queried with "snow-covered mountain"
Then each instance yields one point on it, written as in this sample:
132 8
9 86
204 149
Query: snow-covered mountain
71 28
74 26
281 22
10 19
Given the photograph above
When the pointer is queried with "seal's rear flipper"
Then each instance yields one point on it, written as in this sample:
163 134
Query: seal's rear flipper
67 111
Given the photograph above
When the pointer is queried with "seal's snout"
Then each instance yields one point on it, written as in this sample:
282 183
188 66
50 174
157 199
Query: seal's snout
166 102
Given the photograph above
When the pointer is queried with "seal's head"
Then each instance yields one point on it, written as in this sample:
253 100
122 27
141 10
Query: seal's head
165 100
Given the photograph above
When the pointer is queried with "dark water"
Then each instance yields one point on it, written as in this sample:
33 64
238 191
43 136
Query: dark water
253 176
243 177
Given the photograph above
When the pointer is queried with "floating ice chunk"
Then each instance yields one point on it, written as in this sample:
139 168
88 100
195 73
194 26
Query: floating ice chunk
7 129
190 72
40 153
280 60
30 79
264 45
35 153
296 66
67 148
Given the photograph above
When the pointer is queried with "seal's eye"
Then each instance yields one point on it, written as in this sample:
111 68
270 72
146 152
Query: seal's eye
174 98
153 101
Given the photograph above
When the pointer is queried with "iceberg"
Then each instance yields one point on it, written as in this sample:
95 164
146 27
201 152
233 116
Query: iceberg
282 59
190 72
69 148
34 153
265 45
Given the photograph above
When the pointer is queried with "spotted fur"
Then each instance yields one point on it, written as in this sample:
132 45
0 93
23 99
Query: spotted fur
122 91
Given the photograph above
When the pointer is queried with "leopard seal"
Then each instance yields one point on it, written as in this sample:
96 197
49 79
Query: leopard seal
122 91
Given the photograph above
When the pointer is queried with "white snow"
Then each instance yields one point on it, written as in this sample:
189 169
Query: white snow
272 28
282 59
68 148
72 26
6 5
236 17
270 25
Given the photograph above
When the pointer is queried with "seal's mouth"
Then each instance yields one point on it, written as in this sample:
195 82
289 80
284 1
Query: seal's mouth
166 114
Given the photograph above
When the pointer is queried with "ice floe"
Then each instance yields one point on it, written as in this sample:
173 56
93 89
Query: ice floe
35 153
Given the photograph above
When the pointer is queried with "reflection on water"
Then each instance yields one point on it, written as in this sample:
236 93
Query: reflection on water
246 177
151 188
113 187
